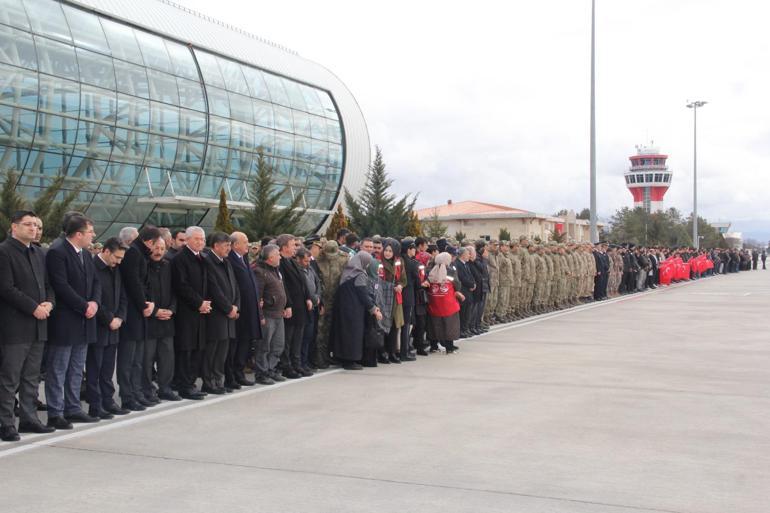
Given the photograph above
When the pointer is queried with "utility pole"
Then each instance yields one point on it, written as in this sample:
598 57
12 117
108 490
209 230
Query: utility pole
594 227
695 106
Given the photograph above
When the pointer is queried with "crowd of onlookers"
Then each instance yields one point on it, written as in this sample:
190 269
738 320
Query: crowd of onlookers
157 315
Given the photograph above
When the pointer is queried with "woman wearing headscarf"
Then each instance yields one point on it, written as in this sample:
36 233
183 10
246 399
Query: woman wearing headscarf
443 304
354 309
392 275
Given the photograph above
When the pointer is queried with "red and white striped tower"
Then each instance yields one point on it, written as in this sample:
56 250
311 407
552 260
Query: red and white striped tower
648 178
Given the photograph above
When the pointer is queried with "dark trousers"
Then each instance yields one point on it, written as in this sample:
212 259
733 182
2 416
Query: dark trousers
100 368
237 355
466 307
292 351
391 342
478 311
158 354
187 368
418 332
406 347
129 369
309 337
213 366
63 378
19 370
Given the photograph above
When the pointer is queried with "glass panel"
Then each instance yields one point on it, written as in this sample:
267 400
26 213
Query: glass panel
320 152
42 167
209 186
217 160
284 145
335 155
98 104
326 199
312 100
263 114
56 58
165 118
87 173
106 207
153 50
18 86
122 41
182 60
12 13
296 100
264 139
219 103
56 134
191 95
233 76
96 69
302 148
163 87
17 48
243 136
209 69
300 173
241 164
16 125
133 112
184 183
161 151
192 124
86 30
330 111
333 131
219 131
257 86
318 128
94 140
59 95
277 91
13 158
283 119
301 123
316 176
240 108
47 18
132 79
311 197
130 146
134 212
189 156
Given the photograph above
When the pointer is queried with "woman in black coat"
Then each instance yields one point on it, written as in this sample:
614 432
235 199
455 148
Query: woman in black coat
354 310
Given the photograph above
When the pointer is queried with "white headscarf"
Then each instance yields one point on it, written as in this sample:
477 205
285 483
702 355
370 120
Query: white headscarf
356 266
438 273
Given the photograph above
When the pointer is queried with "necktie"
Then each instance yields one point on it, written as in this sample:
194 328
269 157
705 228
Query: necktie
82 259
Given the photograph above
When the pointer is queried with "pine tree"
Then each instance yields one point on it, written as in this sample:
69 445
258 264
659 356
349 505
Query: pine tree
433 227
413 226
266 218
51 211
223 222
504 234
376 211
460 236
338 222
10 202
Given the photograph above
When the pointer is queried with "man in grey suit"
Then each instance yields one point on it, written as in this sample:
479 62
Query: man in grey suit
26 301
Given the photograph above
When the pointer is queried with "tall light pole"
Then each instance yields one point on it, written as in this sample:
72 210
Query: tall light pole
594 228
695 106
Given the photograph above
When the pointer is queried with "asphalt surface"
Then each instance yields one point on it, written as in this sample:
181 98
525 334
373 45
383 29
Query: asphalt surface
657 402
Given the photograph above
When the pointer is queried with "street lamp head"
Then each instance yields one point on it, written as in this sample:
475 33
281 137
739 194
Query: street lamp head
696 104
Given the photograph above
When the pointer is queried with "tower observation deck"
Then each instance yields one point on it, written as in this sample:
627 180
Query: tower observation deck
648 178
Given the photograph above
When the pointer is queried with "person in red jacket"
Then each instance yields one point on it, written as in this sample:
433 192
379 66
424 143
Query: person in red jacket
443 304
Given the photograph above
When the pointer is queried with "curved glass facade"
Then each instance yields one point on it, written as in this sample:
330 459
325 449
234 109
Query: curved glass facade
151 129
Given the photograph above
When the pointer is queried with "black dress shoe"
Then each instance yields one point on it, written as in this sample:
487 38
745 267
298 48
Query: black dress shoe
133 406
144 401
352 366
116 410
291 374
153 398
101 414
408 358
422 352
9 434
383 359
232 385
276 376
244 382
81 417
227 390
264 380
215 391
305 372
394 359
58 423
193 395
169 396
35 427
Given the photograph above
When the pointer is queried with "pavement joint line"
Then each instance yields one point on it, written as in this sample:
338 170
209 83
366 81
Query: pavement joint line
371 479
118 423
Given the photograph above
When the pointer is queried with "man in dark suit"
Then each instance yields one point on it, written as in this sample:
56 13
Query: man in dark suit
220 325
467 287
248 326
100 361
299 304
26 301
159 346
72 325
133 334
189 278
178 241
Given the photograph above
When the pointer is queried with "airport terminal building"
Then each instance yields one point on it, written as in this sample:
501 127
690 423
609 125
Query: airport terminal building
150 109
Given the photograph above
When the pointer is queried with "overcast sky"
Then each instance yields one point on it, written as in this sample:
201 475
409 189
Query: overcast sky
490 100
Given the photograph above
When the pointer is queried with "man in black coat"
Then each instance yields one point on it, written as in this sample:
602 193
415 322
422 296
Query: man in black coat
26 302
248 326
159 346
189 278
72 325
408 296
178 241
467 286
298 303
133 334
100 361
220 325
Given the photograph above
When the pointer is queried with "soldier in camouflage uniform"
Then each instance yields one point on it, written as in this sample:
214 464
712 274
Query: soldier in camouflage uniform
331 261
550 285
516 296
528 276
492 256
537 253
505 278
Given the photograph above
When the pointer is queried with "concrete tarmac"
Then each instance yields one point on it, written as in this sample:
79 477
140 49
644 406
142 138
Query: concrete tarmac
657 402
